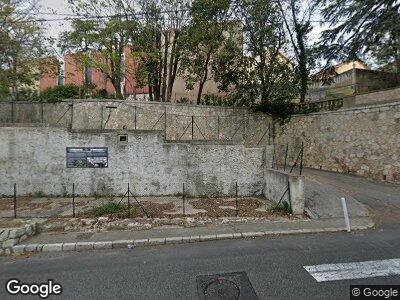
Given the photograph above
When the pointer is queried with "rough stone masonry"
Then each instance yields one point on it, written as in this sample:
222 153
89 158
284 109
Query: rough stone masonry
34 157
363 141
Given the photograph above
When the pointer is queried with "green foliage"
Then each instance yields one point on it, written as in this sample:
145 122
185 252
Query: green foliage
22 43
60 93
107 209
209 34
281 110
367 27
100 94
184 100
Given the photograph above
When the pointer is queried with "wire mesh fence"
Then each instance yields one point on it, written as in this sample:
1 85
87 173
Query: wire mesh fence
177 123
129 205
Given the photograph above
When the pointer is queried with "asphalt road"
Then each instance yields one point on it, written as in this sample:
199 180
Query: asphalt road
382 198
274 266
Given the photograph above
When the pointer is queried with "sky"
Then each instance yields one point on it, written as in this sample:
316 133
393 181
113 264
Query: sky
57 6
62 7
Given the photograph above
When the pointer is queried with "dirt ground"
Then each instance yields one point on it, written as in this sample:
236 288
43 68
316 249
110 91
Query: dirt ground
153 207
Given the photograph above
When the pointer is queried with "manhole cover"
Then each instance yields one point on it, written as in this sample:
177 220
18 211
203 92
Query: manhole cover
228 286
222 289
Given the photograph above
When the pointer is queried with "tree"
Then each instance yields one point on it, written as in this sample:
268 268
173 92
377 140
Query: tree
207 35
103 41
158 44
82 39
22 44
361 27
296 16
266 74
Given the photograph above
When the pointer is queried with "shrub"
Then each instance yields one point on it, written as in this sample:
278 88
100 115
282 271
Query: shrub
60 93
108 209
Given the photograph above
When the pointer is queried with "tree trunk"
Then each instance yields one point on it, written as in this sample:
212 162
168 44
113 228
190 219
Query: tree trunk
204 79
173 67
164 67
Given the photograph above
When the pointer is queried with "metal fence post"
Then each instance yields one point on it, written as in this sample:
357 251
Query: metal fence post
183 200
135 117
129 202
218 127
41 113
165 122
12 111
192 126
286 156
301 159
101 117
237 209
15 200
269 134
73 200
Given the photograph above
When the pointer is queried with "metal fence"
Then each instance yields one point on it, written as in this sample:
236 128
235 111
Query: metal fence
23 206
239 126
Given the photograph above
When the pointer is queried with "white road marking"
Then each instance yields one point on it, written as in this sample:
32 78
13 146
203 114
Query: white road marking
354 270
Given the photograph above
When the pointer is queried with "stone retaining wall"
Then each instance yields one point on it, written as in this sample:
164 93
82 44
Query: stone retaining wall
9 237
362 141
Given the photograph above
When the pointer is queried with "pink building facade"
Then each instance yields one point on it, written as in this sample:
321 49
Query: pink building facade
71 71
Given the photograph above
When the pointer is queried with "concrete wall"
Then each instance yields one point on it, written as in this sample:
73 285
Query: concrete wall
276 183
35 158
362 141
211 122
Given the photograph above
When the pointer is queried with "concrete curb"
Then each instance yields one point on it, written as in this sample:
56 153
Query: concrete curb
120 244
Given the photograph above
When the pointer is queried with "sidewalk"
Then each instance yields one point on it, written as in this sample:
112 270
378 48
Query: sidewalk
55 242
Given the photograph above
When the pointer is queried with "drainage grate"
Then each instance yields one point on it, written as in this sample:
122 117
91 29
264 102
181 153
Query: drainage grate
229 286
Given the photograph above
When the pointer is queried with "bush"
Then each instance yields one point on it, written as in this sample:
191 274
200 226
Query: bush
107 209
280 109
100 94
60 93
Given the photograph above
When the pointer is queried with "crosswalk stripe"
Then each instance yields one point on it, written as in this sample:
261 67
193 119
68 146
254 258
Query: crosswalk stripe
354 270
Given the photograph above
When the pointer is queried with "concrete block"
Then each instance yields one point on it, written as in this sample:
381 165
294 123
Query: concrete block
69 247
210 237
237 235
31 248
173 240
19 249
103 245
141 242
194 238
52 247
157 241
186 239
121 244
252 234
84 246
224 236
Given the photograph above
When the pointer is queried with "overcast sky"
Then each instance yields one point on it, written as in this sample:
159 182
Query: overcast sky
62 7
58 6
